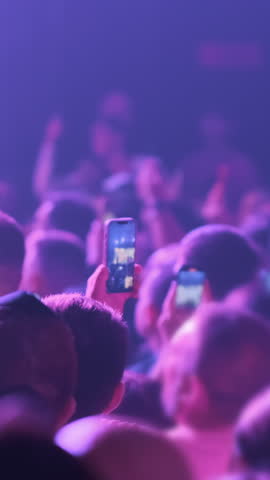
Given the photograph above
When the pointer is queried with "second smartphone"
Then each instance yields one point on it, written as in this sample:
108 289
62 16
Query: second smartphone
190 286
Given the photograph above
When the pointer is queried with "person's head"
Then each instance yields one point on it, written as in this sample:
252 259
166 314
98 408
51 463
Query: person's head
228 261
152 293
101 345
254 297
34 456
107 137
120 199
214 128
54 262
114 447
37 353
12 252
215 365
252 433
71 212
117 104
223 253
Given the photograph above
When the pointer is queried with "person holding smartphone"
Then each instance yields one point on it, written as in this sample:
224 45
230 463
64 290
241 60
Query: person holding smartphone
213 261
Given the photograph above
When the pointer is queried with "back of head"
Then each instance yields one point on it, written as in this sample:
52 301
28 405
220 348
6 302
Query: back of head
70 212
54 261
115 447
223 253
122 202
36 351
253 433
153 291
227 350
101 345
11 254
33 456
232 358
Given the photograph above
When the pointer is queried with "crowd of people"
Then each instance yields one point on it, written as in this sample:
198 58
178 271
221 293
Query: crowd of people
110 386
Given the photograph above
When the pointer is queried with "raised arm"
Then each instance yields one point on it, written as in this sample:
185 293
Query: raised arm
43 172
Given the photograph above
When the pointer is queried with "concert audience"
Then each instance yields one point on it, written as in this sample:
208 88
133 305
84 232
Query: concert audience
217 164
227 259
212 369
188 371
101 346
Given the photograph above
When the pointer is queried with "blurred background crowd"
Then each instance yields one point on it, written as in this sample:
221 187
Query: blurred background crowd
157 112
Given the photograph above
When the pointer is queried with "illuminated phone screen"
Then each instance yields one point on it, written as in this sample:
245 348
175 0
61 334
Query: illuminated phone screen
121 255
190 285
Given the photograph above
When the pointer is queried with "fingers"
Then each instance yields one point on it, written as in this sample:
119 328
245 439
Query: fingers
96 285
137 280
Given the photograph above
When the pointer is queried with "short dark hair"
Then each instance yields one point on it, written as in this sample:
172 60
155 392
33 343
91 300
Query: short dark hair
232 356
36 350
34 456
101 345
224 254
59 257
70 212
253 433
12 249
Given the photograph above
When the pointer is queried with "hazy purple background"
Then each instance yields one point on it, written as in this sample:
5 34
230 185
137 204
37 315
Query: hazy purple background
62 55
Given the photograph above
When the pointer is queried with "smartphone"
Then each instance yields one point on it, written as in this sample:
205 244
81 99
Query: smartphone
190 285
120 254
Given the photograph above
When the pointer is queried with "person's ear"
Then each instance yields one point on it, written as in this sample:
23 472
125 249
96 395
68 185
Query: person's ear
192 391
116 398
67 413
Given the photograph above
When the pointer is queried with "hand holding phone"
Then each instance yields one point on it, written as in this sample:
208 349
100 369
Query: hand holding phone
97 288
120 254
